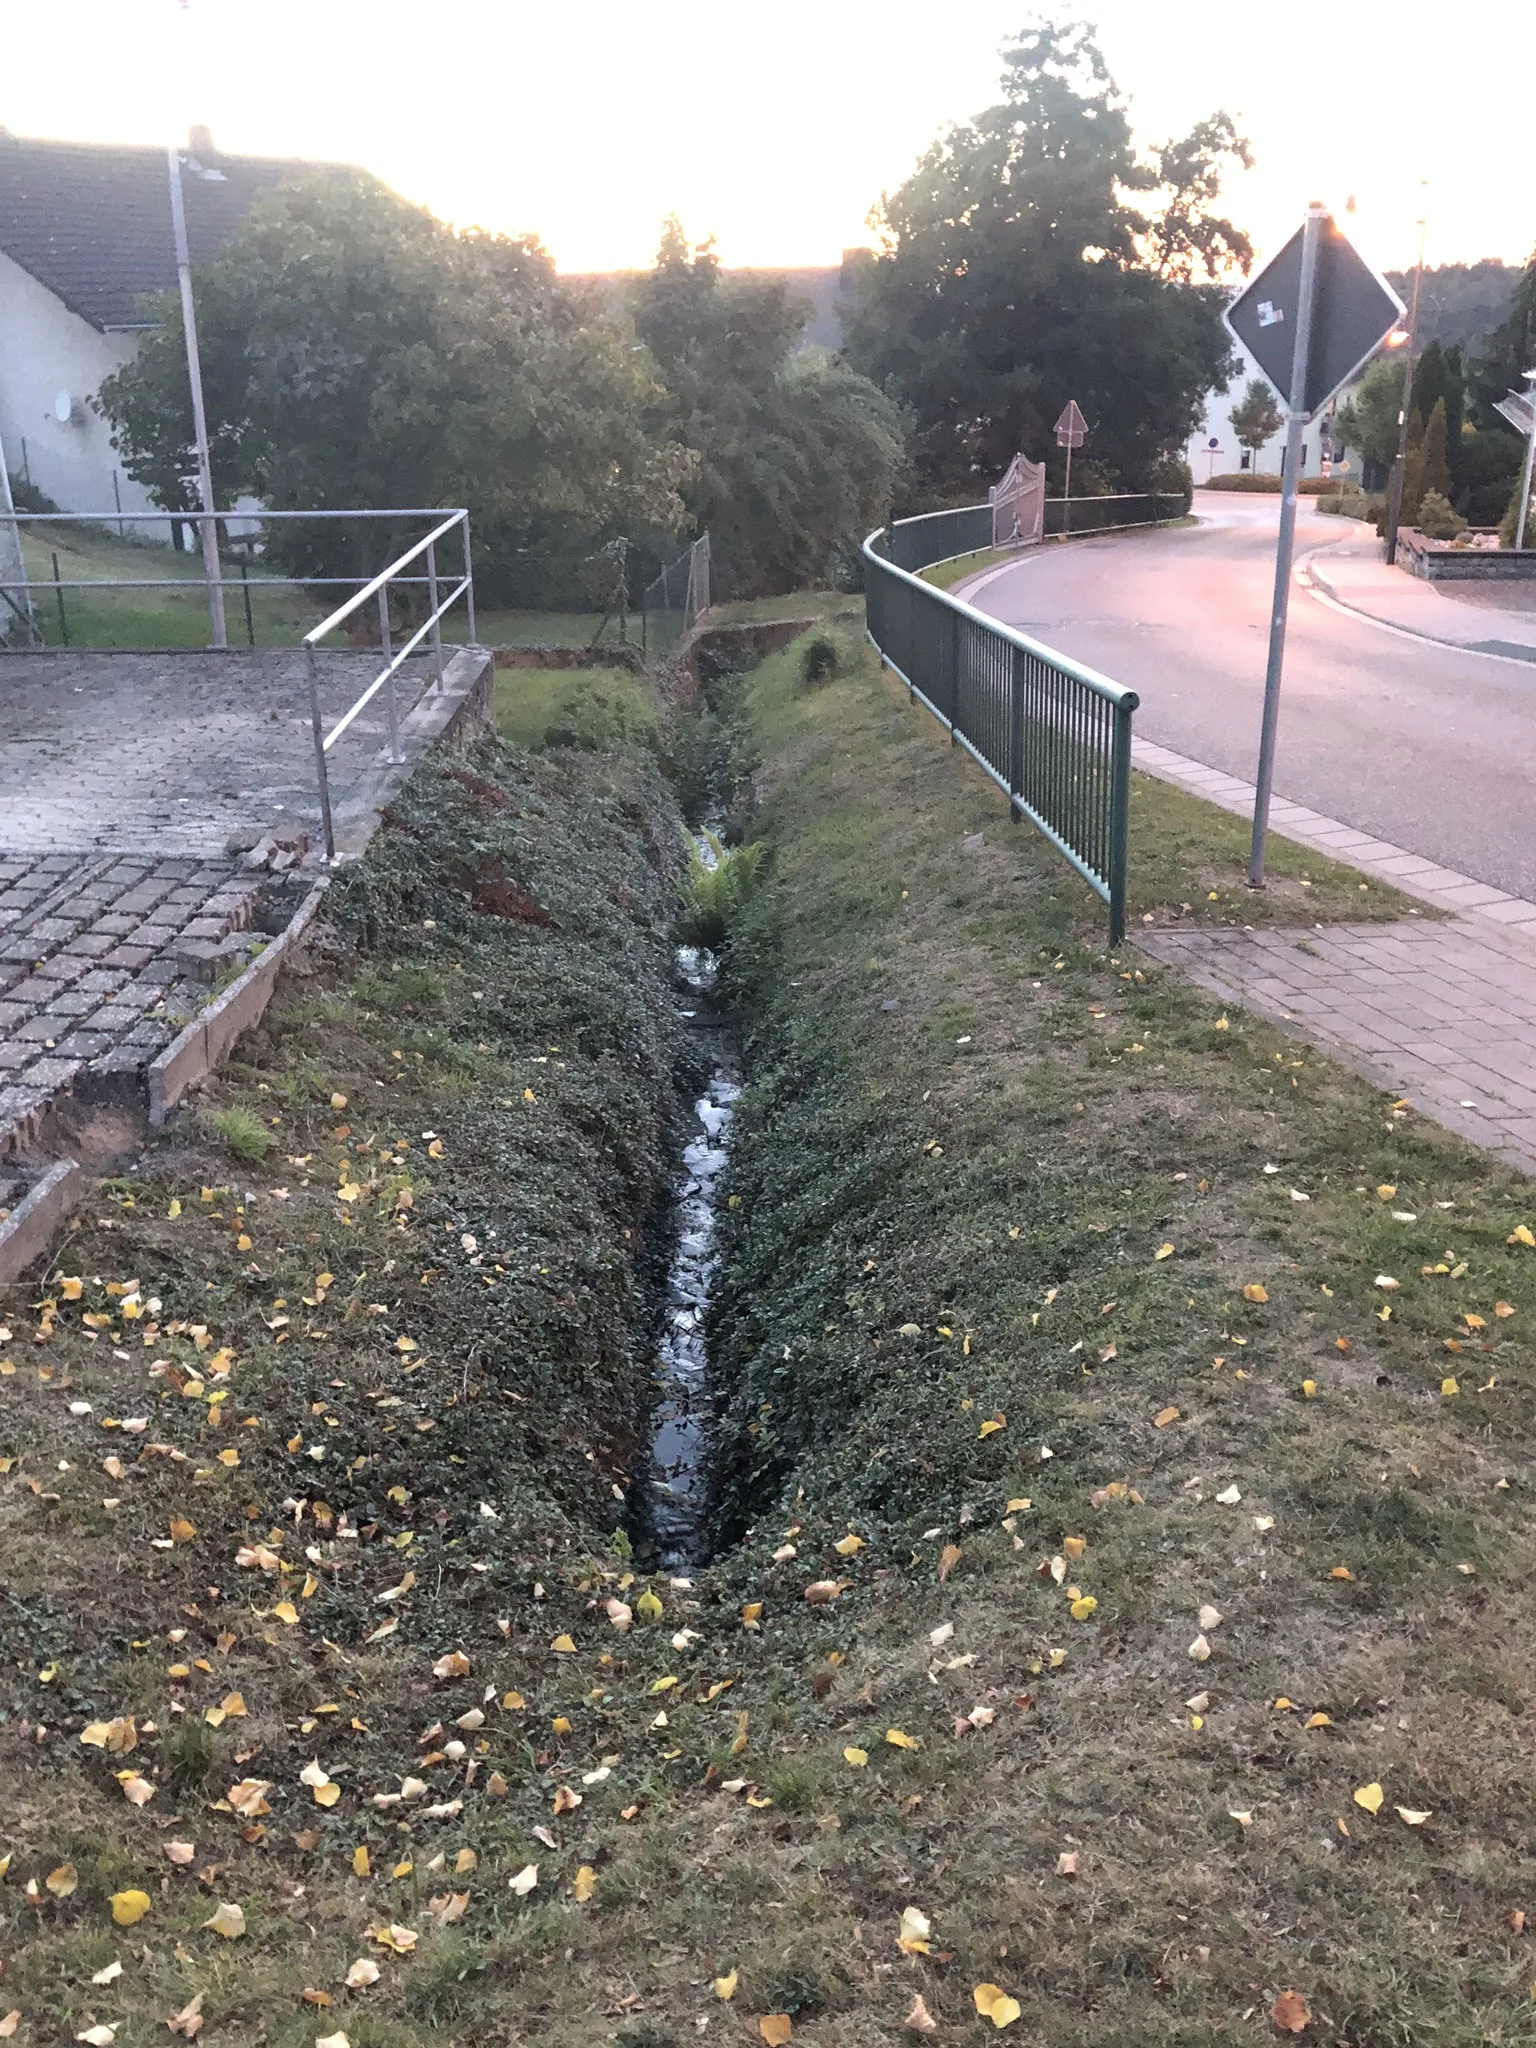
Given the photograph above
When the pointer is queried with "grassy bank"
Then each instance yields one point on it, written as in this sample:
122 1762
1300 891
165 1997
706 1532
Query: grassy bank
1054 1311
1179 1385
307 1402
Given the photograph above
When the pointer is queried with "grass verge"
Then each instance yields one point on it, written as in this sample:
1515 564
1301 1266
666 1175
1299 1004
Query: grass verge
1178 1385
594 709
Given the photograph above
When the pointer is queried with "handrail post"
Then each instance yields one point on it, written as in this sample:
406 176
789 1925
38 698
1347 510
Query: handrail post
322 772
1015 735
1119 821
469 583
437 624
395 755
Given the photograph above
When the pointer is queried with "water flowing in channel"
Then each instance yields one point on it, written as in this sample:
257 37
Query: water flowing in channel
678 1479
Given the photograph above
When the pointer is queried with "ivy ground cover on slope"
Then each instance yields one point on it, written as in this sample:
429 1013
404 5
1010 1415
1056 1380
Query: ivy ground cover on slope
1119 1631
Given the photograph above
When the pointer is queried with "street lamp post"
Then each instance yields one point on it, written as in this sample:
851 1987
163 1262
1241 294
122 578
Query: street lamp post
207 524
1399 467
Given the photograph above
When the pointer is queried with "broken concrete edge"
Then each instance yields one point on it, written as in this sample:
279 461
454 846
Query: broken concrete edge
193 1054
35 1221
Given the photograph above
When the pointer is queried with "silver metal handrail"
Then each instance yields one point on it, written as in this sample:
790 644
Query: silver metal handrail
378 590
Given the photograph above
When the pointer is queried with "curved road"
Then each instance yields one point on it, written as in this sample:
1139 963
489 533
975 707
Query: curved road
1424 745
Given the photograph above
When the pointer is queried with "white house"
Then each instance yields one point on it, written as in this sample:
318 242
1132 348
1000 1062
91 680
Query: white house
85 232
1216 451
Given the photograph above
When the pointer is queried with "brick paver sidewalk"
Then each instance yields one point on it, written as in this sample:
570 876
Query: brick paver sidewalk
102 960
1441 1011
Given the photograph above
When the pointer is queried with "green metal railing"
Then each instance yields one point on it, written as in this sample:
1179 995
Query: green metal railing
1113 514
1054 735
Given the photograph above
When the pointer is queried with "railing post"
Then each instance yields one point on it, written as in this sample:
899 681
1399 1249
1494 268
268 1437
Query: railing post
245 591
437 624
1119 821
469 582
58 591
389 688
322 772
1015 735
949 667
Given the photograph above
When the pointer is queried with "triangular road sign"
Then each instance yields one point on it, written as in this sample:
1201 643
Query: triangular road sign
1071 427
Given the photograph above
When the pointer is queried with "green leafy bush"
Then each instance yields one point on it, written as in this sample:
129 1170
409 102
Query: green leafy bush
1509 524
820 660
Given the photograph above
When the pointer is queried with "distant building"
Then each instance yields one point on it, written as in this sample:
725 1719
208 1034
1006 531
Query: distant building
1215 450
85 231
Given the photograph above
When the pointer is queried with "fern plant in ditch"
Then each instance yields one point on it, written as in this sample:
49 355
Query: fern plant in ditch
715 890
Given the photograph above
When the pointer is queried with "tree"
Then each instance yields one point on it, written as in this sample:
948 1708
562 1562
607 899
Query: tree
1368 421
1256 418
358 352
1439 378
798 454
1510 349
1015 272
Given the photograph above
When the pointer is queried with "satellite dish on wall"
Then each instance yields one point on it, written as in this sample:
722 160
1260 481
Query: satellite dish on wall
63 407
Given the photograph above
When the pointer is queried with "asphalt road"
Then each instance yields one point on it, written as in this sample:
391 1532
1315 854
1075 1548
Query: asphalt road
1419 744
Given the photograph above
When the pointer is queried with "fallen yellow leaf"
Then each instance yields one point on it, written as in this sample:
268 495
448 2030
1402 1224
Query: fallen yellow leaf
857 1757
128 1908
1370 1797
898 1740
725 1987
775 2028
1164 1416
227 1919
994 2004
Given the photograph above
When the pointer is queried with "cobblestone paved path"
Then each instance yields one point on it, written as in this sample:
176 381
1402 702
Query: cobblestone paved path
100 962
122 780
170 754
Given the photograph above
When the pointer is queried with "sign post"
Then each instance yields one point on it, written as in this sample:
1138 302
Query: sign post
1311 318
1071 430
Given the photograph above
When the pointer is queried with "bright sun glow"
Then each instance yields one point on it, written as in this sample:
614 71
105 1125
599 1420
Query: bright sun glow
777 128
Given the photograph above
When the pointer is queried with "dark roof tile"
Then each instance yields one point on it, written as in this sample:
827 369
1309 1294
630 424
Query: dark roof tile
92 221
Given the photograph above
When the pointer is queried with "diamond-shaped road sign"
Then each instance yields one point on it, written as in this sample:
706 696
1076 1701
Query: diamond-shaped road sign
1071 427
1353 312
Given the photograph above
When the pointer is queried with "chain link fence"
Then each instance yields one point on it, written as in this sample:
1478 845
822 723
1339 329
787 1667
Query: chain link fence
678 596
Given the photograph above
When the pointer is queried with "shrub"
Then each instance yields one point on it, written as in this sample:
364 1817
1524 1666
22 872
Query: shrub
1348 501
1437 519
820 660
1243 480
715 890
243 1132
1509 524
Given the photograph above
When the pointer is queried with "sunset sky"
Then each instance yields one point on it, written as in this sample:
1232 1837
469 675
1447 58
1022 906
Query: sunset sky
776 129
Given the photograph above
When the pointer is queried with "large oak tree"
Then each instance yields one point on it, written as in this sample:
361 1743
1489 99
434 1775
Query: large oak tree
1035 255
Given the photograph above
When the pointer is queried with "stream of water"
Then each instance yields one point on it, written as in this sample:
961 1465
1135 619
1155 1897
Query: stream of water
678 1477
